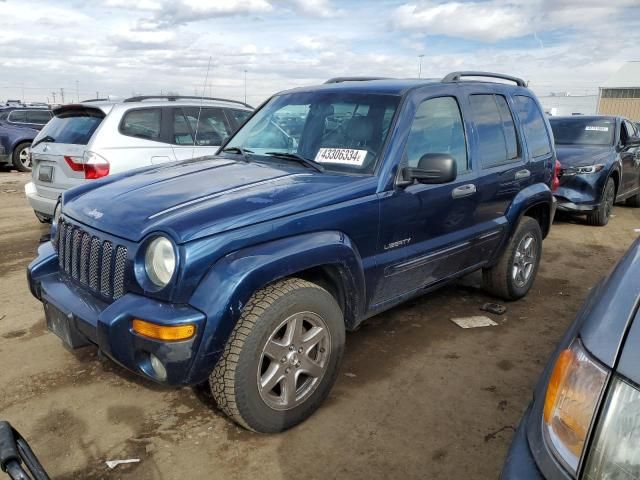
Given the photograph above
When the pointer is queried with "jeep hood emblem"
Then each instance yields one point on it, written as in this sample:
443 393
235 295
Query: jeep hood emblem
97 214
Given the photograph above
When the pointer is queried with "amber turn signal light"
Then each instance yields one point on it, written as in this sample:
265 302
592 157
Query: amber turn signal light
167 333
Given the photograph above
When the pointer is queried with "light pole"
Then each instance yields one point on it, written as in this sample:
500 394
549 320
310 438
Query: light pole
245 86
420 65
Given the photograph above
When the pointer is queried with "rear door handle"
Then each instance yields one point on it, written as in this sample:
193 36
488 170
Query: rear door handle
520 174
463 190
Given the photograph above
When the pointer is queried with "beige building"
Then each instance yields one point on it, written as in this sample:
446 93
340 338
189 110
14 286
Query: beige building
620 94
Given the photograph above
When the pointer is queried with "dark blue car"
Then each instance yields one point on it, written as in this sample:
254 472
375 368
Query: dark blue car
600 165
18 128
584 420
246 268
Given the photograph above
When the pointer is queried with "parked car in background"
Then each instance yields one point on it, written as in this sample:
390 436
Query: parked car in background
245 269
600 164
18 127
584 420
93 139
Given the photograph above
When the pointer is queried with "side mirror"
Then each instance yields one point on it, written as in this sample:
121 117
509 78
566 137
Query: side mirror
432 168
633 141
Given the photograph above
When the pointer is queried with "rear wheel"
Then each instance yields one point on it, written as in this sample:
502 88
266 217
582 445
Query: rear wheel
22 157
600 216
514 274
282 357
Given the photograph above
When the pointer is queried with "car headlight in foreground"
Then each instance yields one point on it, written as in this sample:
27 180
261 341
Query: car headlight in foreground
160 261
615 451
573 394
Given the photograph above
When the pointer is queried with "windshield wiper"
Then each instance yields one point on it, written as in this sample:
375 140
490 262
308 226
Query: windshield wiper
240 150
298 158
46 138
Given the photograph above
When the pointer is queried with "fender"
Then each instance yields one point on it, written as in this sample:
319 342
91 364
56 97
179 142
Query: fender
230 283
536 194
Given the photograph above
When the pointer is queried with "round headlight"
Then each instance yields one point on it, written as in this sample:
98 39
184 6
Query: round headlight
160 261
56 212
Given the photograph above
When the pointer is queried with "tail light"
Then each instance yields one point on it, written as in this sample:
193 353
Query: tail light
93 165
556 176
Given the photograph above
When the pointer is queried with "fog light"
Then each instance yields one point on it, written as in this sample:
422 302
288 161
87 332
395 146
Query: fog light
157 367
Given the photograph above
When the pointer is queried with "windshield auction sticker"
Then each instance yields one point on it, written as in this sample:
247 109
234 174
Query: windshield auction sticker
595 128
343 156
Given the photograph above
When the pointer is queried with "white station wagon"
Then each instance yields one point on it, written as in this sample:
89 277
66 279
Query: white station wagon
92 139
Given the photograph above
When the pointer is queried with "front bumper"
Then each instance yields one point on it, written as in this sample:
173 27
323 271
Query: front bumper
42 205
520 464
108 325
580 193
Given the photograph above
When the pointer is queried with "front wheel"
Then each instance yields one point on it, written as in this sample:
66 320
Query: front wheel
600 216
282 357
514 274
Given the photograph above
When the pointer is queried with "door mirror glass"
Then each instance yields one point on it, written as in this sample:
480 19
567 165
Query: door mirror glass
632 141
432 168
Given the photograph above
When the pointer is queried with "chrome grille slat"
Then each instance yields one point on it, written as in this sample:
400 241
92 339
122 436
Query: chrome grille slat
94 258
118 272
84 257
105 269
75 253
95 263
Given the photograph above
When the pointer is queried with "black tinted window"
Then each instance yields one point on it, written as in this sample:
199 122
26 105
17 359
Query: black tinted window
496 131
144 123
240 115
533 126
437 128
18 116
72 127
38 116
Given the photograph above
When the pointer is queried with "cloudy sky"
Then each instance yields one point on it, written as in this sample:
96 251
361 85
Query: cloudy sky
112 47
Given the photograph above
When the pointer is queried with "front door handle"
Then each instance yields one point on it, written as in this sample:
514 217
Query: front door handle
463 190
520 174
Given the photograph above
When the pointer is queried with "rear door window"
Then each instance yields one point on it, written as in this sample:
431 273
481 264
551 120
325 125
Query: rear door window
533 126
497 140
74 127
240 115
39 117
209 125
142 123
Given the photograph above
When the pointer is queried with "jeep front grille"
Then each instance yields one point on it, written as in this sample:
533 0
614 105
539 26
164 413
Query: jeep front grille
95 263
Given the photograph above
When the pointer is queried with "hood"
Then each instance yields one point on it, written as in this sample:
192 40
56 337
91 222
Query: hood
579 156
193 199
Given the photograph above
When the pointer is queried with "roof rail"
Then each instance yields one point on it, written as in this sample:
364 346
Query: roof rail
94 100
173 98
354 79
457 76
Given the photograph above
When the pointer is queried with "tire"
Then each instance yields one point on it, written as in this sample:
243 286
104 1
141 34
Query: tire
634 201
501 279
262 334
600 216
21 157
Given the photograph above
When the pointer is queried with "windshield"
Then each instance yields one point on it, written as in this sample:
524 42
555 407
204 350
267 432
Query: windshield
342 131
583 131
75 127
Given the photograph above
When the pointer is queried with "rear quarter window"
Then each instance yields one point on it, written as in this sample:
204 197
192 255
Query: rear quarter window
533 126
141 123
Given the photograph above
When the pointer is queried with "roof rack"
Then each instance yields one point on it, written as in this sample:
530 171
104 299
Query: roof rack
354 79
457 76
95 100
173 98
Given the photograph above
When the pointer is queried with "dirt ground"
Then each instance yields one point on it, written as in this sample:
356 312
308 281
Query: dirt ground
418 396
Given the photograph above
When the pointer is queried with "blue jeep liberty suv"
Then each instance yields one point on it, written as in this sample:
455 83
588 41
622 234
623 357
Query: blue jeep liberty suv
330 205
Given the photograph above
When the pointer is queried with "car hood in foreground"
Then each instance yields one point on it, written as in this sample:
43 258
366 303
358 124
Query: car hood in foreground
578 156
193 199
